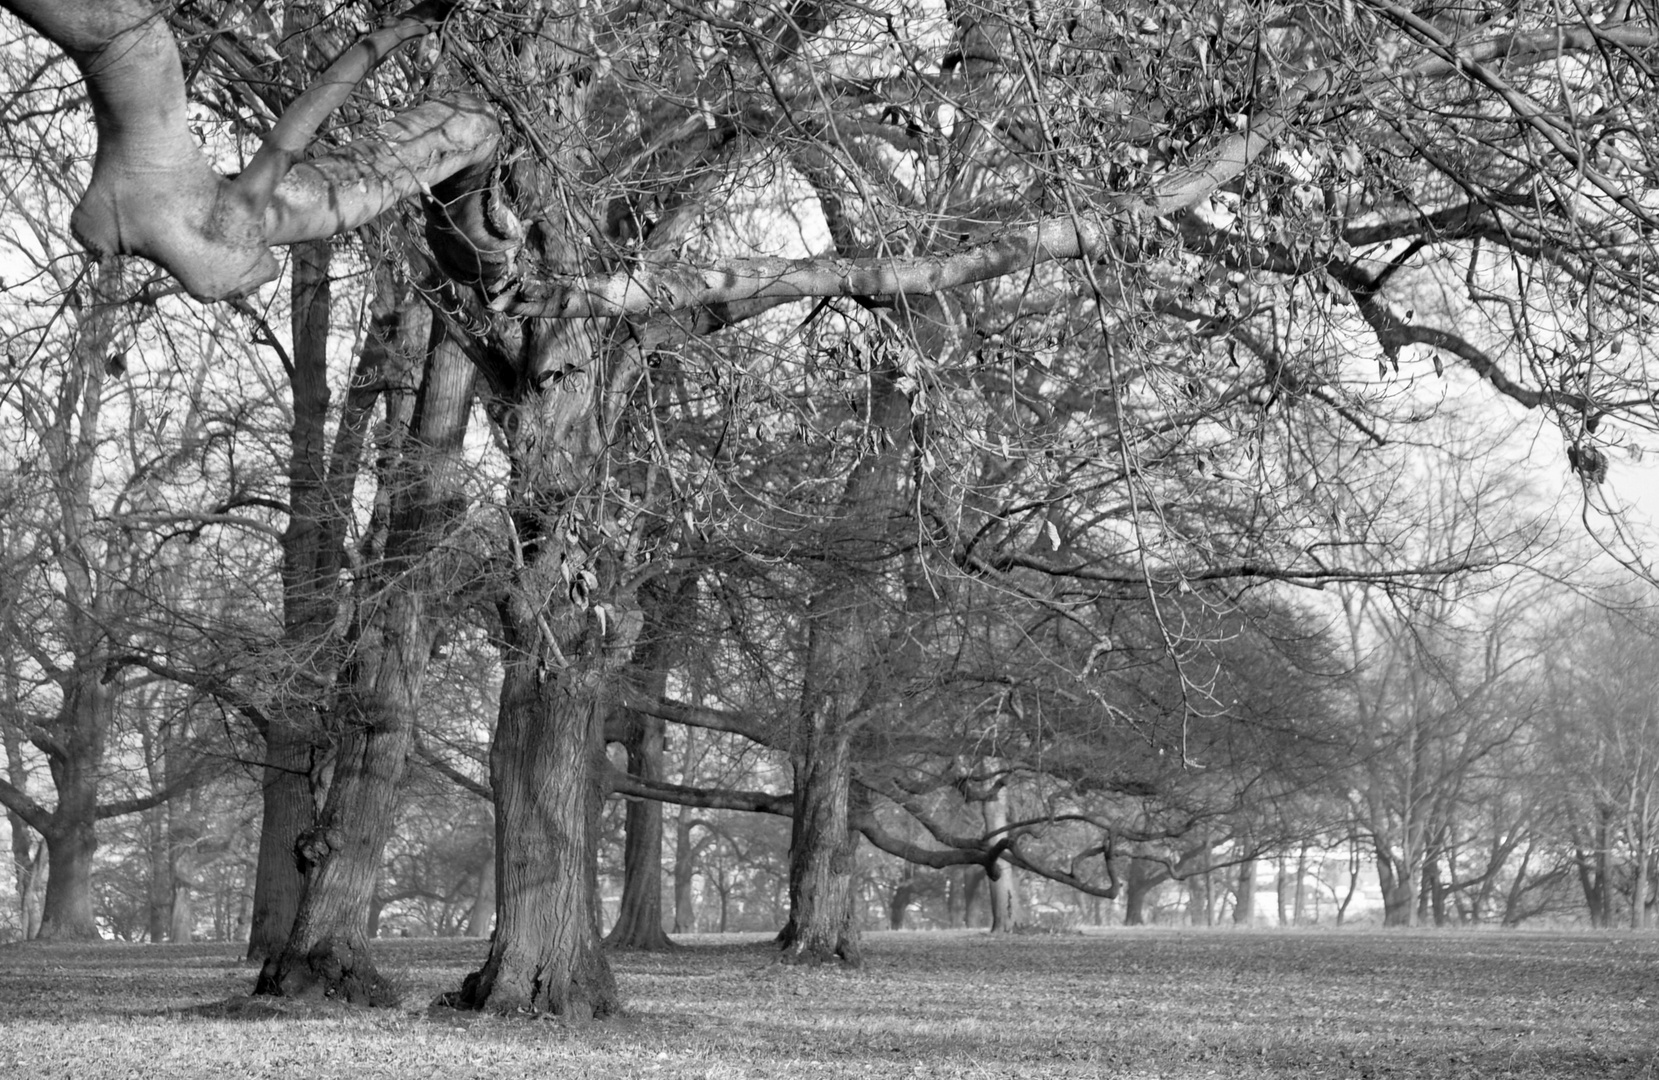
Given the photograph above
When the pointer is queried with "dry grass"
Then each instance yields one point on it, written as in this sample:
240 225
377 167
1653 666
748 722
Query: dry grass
1121 1003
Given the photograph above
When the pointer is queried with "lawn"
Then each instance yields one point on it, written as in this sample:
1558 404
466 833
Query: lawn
1133 1003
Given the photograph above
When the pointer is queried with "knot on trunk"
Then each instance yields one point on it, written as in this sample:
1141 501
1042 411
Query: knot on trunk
314 845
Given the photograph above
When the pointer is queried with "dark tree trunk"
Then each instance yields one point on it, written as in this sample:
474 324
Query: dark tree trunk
67 912
160 884
396 624
1138 884
846 614
1399 890
326 954
639 919
823 852
313 556
287 811
545 770
1244 894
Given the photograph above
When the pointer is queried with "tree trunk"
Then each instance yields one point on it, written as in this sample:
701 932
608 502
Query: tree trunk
639 918
1399 890
326 955
973 883
1300 908
395 627
1000 876
845 616
68 913
182 834
287 812
1244 894
685 871
26 856
1138 886
545 769
33 897
823 850
320 492
898 905
482 914
160 884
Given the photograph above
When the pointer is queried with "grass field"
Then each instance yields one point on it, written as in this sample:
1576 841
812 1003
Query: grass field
1138 1003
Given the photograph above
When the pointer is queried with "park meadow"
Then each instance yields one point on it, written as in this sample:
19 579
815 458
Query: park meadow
1143 1002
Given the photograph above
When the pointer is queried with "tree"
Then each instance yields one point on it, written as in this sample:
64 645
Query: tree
1601 741
1009 150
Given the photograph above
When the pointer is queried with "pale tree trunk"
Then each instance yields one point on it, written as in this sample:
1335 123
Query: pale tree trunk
1639 852
1244 894
26 856
685 871
1000 876
32 899
973 883
67 911
397 621
482 913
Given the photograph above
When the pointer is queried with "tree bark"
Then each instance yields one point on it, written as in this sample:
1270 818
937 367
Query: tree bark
287 811
685 872
823 848
1244 894
639 922
545 769
1000 877
1136 889
313 556
68 912
845 616
397 622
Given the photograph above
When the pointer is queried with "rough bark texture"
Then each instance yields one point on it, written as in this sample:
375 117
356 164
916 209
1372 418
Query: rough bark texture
845 615
639 921
545 955
312 559
396 623
327 952
822 927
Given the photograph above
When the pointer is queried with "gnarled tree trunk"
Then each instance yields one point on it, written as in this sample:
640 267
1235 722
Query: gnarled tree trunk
397 622
546 773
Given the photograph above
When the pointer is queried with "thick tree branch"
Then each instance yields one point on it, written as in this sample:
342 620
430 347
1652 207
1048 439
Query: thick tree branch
154 193
36 816
760 802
